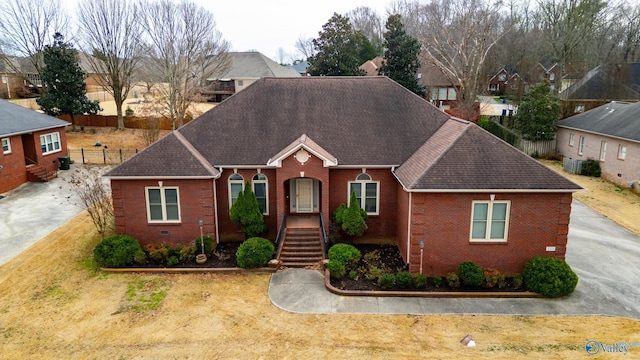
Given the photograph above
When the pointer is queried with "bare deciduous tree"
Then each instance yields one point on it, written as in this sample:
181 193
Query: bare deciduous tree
110 33
305 48
185 48
457 36
369 23
26 26
95 196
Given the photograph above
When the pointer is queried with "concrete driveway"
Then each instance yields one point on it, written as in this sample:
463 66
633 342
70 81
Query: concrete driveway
605 256
34 210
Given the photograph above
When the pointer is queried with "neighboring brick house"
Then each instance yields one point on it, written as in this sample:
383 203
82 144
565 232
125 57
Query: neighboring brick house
305 143
609 133
31 145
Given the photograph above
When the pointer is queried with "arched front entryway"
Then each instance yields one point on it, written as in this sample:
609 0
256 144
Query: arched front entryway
304 195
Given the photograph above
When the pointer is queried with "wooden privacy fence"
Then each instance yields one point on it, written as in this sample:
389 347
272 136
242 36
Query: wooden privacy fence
130 122
572 166
100 155
538 148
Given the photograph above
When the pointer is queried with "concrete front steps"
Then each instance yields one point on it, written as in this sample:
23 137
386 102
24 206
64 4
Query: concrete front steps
301 247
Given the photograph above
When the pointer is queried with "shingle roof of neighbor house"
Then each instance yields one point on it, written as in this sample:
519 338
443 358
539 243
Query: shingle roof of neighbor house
614 119
359 122
607 82
254 65
15 120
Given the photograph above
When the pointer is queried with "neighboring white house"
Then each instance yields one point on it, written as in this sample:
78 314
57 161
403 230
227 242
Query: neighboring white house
609 133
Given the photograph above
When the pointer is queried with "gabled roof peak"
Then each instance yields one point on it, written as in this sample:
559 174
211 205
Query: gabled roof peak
303 142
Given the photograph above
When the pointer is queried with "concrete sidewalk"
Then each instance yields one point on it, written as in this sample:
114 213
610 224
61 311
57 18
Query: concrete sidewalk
603 254
34 210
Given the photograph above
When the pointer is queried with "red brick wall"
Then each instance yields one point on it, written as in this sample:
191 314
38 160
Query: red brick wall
403 220
382 227
196 202
443 221
233 232
13 172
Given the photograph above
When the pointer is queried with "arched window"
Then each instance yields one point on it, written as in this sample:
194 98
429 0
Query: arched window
236 185
367 193
261 189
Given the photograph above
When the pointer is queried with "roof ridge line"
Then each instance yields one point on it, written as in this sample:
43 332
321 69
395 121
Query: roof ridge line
201 159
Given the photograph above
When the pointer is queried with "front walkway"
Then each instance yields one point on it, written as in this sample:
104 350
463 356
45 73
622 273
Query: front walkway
603 254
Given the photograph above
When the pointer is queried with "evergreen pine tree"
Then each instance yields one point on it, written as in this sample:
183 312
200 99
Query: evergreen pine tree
401 56
246 212
538 113
64 81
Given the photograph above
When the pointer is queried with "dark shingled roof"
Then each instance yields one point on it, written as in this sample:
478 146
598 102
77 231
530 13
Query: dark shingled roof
477 160
359 122
15 120
607 82
169 157
615 119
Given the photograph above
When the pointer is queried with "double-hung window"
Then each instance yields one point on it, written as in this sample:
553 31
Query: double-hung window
581 145
50 143
6 146
490 220
571 139
622 152
603 150
367 193
236 185
163 204
260 189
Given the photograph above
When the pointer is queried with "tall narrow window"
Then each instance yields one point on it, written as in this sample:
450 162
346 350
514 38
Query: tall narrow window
622 152
236 185
163 204
490 220
6 146
571 139
50 143
261 189
367 193
581 145
603 150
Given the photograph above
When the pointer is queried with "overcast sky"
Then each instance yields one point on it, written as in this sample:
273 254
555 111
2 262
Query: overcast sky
266 25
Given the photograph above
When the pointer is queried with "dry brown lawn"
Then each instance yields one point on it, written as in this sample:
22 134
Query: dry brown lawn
129 139
55 304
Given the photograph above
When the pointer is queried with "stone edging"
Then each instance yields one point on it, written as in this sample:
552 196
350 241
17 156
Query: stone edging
428 294
236 270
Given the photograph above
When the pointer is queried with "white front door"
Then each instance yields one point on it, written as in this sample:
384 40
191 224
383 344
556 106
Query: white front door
304 195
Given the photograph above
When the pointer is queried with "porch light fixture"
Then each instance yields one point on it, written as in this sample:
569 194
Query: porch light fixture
492 197
421 253
201 223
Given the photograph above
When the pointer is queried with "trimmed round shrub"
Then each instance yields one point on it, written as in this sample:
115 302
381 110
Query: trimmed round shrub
404 280
471 274
549 276
336 269
453 280
116 251
386 281
420 280
344 253
254 252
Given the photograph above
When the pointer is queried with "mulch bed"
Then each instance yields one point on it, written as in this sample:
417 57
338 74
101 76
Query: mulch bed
226 259
389 258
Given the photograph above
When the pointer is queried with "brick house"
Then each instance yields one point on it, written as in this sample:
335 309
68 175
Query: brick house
304 144
610 134
31 145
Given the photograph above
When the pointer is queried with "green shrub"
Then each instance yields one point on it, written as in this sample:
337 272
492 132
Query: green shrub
336 269
502 281
254 252
591 168
386 281
352 219
549 276
338 213
437 281
471 274
140 257
517 281
491 277
208 245
173 260
404 280
246 211
188 253
420 280
453 280
116 251
353 274
347 254
158 252
374 273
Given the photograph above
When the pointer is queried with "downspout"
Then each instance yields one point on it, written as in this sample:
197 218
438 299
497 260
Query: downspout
409 230
215 208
